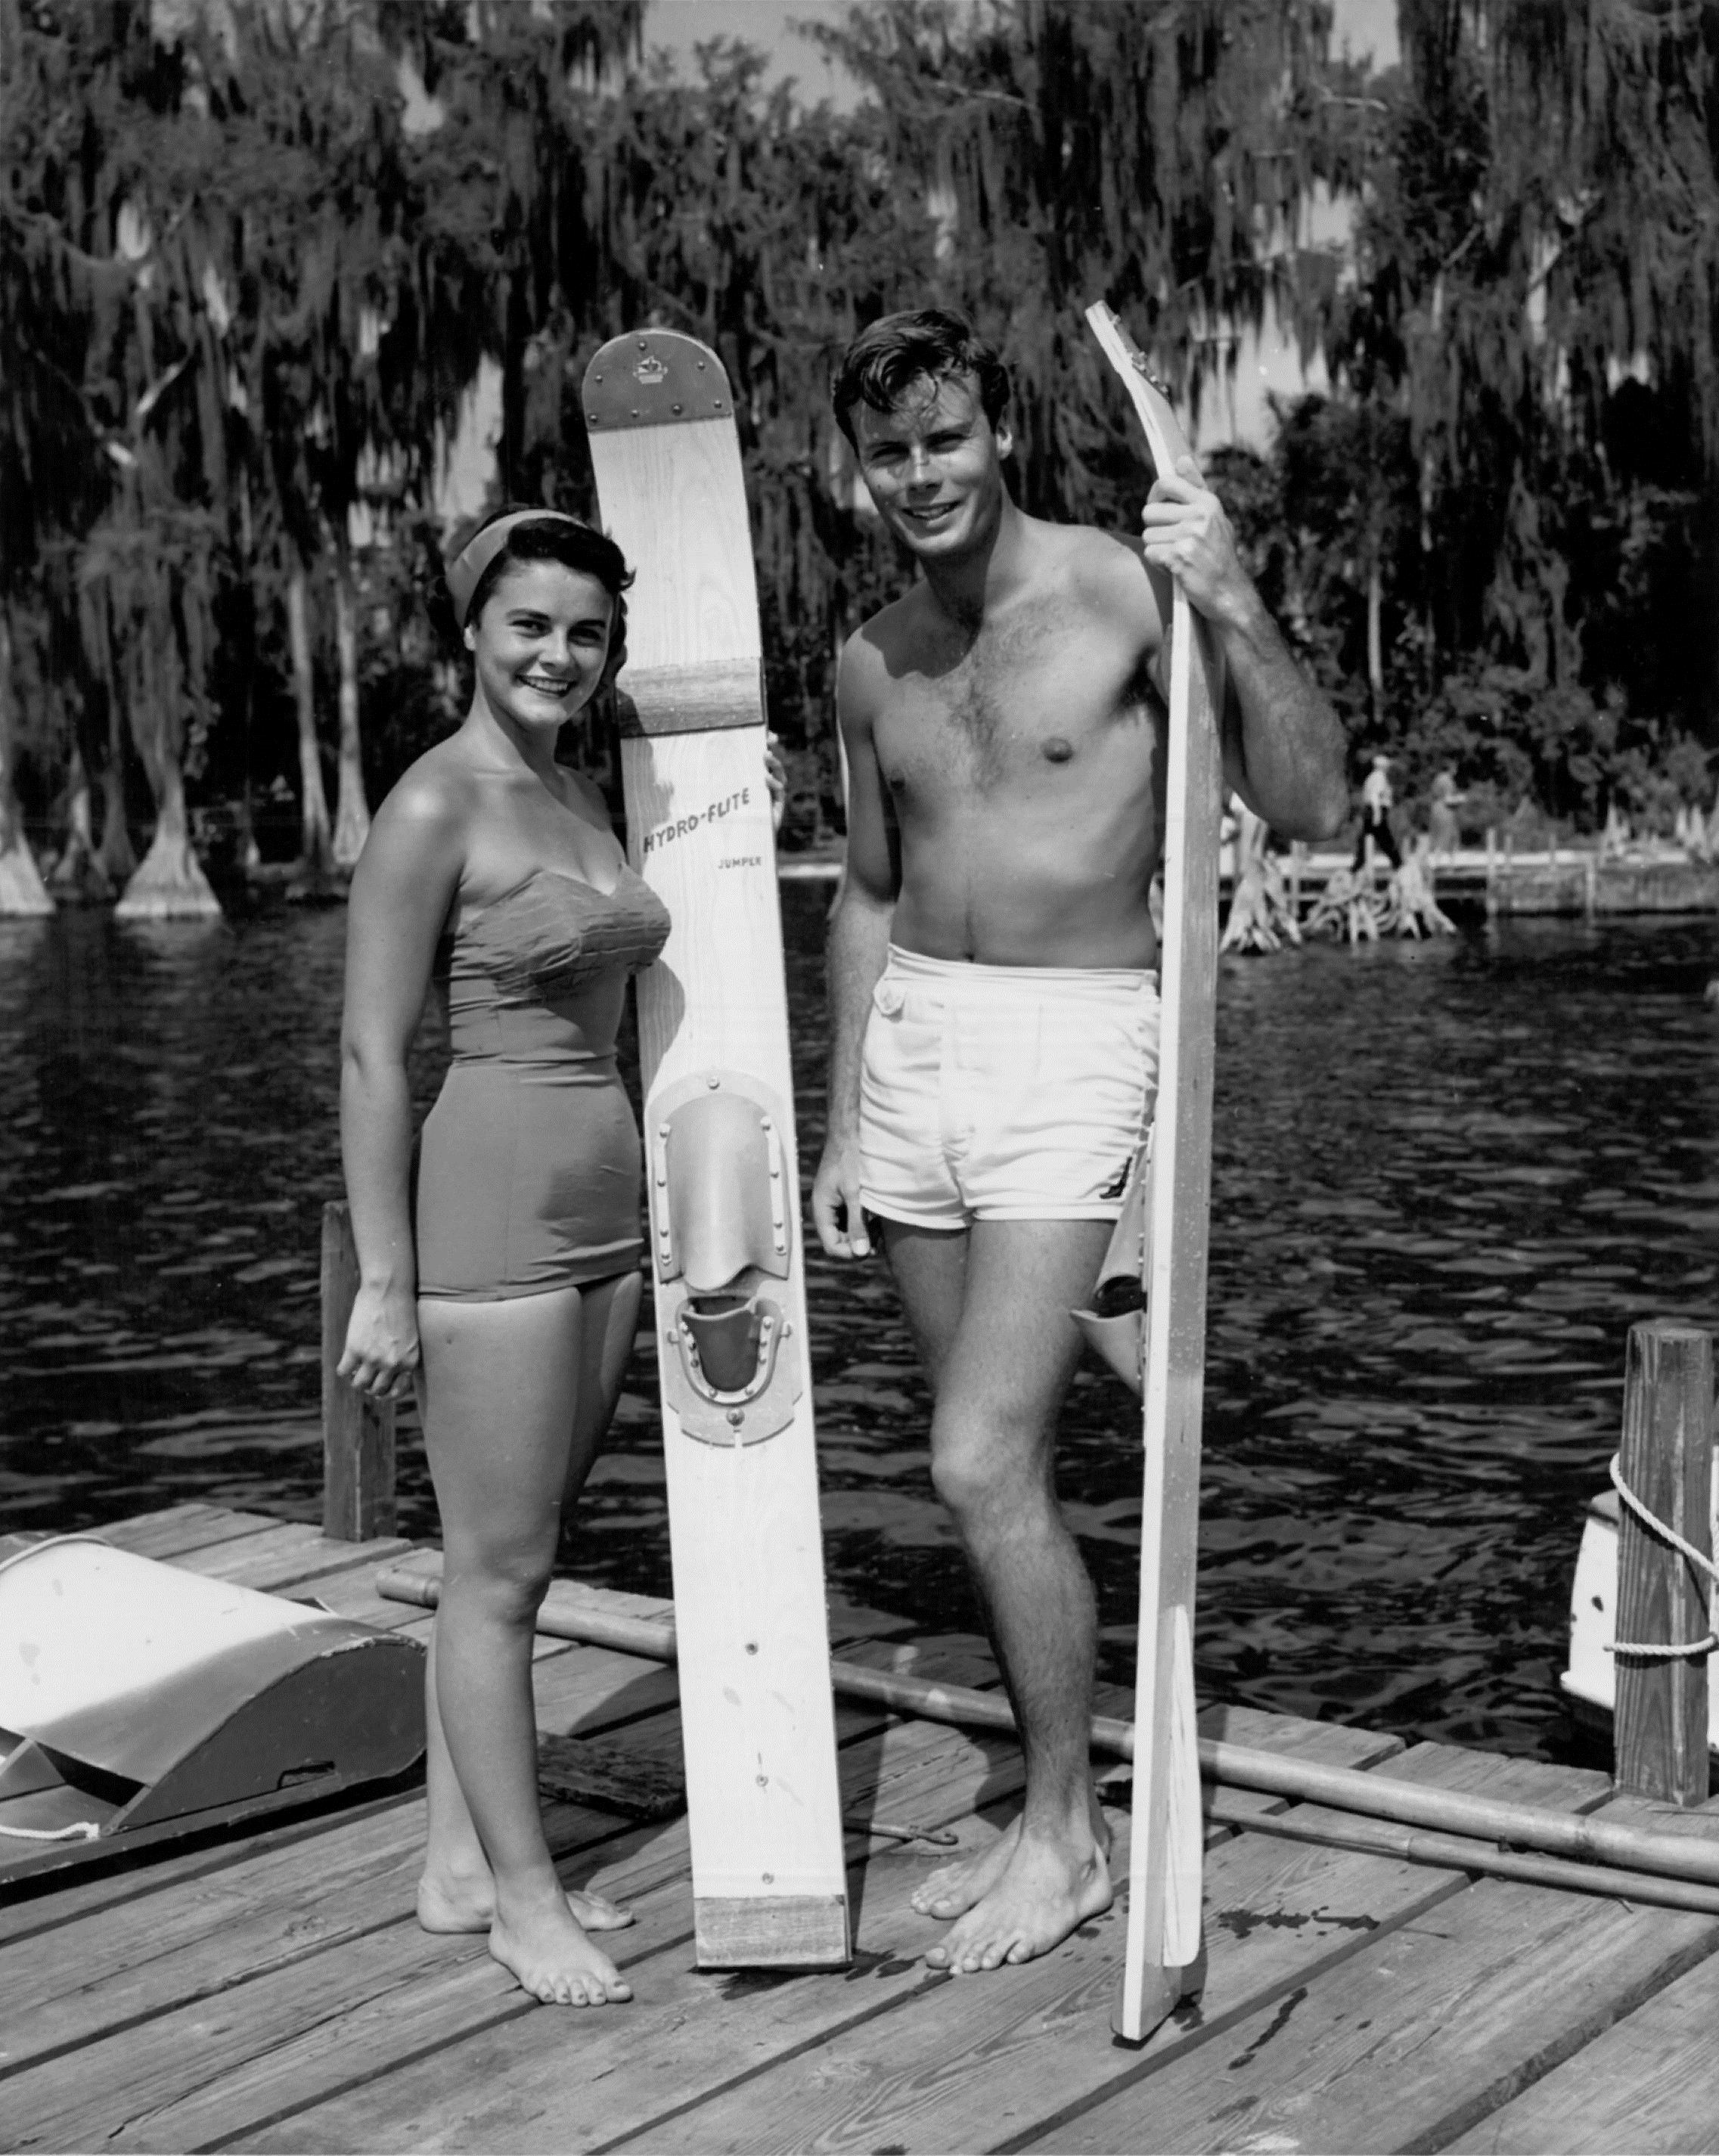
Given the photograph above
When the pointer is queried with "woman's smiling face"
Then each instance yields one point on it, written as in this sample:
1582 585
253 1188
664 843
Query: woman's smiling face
541 643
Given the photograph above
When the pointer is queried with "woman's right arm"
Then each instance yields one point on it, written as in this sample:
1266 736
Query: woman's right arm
402 888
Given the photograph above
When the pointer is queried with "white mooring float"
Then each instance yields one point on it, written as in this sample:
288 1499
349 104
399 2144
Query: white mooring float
1589 1683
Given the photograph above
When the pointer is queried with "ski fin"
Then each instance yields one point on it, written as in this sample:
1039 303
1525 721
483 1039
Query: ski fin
1115 1328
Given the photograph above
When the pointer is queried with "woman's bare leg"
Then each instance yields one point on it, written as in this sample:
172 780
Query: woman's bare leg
501 1387
456 1892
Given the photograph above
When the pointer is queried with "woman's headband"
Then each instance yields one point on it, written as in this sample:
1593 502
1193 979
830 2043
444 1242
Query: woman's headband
464 572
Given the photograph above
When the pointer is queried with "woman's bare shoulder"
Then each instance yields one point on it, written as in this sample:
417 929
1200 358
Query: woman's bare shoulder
435 796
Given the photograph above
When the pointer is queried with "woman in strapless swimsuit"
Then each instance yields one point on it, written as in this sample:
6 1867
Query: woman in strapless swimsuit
513 1303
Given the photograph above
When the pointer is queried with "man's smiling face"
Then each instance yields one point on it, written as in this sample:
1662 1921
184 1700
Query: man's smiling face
933 464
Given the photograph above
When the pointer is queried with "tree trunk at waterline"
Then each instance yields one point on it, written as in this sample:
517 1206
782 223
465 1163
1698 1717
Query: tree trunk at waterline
22 890
170 885
314 847
351 821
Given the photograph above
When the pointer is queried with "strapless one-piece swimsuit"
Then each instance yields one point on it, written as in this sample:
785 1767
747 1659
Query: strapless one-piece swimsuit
529 1168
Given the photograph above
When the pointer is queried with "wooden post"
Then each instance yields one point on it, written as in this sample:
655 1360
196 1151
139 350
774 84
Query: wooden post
1664 1458
357 1433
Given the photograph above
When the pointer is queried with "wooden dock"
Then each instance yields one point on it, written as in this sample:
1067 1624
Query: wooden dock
272 1990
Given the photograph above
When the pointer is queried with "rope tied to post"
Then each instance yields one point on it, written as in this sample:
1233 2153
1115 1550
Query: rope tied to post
1657 1650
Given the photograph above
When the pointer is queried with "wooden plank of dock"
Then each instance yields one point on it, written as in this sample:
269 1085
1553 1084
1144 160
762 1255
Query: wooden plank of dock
396 2022
275 2016
513 2089
1004 2051
1411 2047
272 1990
234 1981
174 1533
1649 2084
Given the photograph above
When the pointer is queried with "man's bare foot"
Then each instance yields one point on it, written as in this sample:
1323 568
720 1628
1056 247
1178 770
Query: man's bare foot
1045 1890
953 1889
551 1957
468 1904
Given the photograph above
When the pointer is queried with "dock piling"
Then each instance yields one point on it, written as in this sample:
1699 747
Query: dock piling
357 1433
1665 1459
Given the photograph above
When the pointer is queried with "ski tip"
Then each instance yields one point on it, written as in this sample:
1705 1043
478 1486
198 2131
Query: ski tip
654 378
1107 325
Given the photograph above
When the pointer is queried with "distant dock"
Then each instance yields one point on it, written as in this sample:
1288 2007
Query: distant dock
1568 881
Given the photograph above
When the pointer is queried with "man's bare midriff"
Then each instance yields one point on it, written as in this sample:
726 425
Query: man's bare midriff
1023 779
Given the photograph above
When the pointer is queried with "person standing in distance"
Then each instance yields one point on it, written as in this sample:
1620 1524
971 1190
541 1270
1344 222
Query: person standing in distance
1376 802
993 999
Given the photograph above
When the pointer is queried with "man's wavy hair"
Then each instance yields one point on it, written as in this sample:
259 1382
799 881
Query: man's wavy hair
886 359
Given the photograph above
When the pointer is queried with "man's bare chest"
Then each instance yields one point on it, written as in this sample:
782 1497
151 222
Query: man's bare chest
1016 705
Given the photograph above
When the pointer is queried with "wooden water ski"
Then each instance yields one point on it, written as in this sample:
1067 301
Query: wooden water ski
1165 1959
769 1884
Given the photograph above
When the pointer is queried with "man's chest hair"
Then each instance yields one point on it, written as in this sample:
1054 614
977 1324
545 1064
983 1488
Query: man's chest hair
1021 723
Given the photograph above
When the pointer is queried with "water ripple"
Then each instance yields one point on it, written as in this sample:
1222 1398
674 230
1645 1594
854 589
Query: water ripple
1445 1182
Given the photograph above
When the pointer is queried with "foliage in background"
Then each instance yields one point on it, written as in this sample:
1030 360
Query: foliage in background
1534 302
253 257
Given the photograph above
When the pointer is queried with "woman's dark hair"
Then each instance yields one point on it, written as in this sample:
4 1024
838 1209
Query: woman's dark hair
886 359
551 535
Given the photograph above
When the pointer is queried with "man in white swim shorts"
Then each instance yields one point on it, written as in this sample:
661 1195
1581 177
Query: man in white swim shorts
993 1007
1005 1093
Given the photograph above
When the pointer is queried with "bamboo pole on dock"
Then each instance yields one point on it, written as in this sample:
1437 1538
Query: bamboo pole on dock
568 1615
1665 1459
358 1432
1453 1852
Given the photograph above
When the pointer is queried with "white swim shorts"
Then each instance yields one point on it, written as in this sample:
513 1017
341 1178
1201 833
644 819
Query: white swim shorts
1005 1093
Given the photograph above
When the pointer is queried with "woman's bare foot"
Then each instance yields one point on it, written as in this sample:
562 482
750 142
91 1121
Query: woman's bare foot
548 1953
467 1903
1044 1891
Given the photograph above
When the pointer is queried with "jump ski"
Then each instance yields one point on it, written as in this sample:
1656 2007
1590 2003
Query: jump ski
769 1881
1163 1238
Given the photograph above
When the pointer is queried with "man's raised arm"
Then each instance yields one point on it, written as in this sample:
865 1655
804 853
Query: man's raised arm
855 953
1283 743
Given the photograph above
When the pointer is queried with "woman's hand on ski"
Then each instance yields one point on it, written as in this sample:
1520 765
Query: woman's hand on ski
776 779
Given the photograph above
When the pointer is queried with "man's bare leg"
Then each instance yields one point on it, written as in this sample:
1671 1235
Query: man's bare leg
989 1309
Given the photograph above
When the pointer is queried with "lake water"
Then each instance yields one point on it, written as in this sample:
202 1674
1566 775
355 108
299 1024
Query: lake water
1447 1178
